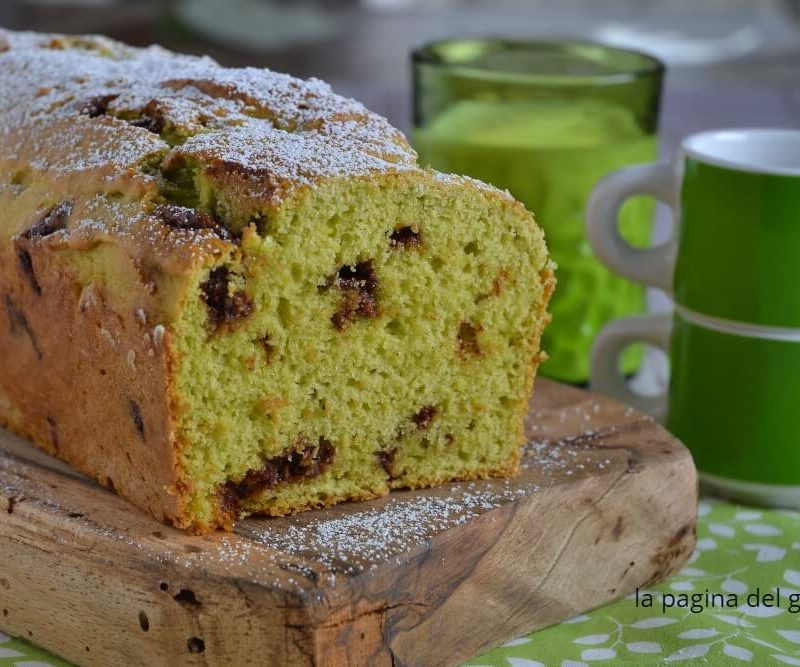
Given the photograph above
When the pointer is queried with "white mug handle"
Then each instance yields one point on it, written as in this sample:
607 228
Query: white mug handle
606 378
651 266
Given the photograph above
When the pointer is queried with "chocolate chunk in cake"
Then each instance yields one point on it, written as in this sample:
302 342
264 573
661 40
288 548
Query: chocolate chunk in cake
224 307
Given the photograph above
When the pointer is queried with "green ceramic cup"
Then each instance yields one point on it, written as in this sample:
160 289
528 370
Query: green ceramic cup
732 267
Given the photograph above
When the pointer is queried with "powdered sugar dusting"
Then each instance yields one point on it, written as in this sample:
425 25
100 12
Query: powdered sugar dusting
299 130
563 458
457 179
357 540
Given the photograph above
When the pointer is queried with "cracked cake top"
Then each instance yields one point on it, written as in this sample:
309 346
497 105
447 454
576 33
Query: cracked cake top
146 100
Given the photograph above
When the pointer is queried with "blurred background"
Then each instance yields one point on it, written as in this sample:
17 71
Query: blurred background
747 50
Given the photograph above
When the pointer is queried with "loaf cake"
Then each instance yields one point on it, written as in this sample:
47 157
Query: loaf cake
230 291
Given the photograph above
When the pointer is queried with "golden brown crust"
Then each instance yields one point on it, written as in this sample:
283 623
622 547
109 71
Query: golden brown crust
86 380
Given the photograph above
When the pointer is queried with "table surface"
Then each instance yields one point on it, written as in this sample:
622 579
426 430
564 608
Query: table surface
743 556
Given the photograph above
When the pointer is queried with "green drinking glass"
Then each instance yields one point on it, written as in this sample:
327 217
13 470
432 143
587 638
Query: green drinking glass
546 120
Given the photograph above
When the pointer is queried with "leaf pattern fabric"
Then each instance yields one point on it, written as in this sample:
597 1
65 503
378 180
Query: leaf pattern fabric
739 549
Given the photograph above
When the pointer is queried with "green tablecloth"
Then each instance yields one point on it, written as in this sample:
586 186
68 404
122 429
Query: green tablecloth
743 555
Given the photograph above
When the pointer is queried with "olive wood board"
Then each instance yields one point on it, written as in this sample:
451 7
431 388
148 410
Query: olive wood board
605 502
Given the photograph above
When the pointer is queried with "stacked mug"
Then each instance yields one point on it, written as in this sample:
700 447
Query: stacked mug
732 267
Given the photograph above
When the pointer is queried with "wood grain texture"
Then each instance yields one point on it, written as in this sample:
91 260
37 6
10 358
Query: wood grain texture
605 502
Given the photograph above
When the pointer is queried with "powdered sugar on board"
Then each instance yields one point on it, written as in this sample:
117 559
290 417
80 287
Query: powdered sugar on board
338 540
292 552
561 457
304 551
354 540
301 550
321 555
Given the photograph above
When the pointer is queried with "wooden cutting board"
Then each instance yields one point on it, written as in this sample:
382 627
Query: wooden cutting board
605 502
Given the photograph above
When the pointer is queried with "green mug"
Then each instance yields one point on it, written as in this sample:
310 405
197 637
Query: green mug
732 268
